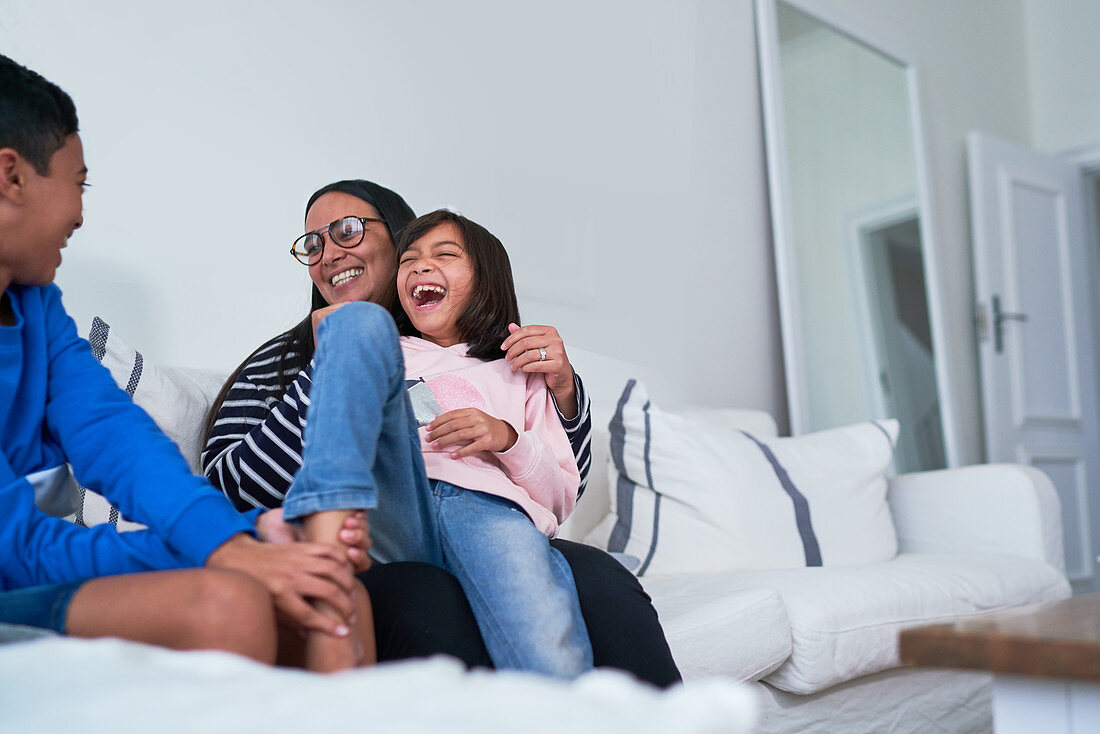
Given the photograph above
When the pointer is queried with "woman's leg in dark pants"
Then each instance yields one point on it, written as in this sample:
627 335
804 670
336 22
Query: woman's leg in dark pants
420 610
622 622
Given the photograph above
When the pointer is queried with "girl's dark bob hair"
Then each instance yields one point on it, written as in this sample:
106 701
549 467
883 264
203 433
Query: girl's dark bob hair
492 306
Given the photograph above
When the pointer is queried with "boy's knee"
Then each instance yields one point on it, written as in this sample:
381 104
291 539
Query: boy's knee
233 611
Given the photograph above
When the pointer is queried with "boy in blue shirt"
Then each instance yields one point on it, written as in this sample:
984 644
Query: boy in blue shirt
196 578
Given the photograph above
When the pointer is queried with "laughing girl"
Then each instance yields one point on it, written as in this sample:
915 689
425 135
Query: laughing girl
497 474
499 462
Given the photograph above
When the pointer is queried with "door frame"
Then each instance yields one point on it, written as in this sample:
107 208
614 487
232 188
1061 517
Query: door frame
1087 159
876 217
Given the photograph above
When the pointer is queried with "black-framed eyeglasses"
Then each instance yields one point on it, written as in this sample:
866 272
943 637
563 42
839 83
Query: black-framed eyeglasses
347 232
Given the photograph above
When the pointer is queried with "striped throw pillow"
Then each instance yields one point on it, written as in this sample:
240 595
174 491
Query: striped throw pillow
690 496
176 399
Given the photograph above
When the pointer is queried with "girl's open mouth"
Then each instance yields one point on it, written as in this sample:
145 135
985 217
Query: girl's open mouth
427 295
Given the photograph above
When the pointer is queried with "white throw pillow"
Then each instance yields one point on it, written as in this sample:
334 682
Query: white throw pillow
177 400
691 496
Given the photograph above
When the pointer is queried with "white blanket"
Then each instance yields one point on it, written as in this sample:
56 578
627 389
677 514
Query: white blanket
89 686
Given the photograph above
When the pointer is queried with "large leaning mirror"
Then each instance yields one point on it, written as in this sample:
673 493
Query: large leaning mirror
850 221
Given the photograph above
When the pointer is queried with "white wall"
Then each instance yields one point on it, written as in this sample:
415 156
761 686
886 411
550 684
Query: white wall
614 146
1063 48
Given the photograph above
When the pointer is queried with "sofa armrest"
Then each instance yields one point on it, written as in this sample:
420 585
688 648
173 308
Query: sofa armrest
998 508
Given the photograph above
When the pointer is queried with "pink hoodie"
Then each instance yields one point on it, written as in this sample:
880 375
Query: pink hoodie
538 473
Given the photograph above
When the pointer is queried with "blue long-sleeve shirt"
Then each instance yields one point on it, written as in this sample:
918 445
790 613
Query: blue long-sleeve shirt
58 404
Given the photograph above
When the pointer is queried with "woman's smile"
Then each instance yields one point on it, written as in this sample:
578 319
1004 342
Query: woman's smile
344 276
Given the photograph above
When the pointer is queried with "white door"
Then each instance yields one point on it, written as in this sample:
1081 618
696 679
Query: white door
1038 351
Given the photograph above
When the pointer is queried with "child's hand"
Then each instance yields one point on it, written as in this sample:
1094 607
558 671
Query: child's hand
471 429
525 348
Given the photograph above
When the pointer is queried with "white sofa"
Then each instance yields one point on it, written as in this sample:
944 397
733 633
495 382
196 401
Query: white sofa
817 645
820 644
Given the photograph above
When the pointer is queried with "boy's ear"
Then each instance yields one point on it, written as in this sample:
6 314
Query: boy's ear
12 175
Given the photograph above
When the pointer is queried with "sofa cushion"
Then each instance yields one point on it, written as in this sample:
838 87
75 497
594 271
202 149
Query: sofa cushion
689 495
714 628
845 621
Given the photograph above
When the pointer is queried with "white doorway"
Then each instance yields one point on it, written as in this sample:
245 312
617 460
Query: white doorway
1034 272
892 309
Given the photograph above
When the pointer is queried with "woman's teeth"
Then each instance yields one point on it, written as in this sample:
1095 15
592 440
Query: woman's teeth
345 276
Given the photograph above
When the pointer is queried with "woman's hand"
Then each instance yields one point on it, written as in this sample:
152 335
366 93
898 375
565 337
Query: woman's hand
294 573
473 429
522 352
354 535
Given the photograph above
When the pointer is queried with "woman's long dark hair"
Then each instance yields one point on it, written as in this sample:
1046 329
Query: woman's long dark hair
492 305
298 345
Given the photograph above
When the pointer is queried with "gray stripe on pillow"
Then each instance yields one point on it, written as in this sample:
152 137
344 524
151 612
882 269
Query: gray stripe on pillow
810 547
624 511
656 495
624 488
97 337
886 433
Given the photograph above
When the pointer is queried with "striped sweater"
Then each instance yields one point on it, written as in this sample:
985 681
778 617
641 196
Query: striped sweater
255 447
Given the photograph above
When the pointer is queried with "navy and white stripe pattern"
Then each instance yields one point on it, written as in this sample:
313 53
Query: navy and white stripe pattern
97 337
255 446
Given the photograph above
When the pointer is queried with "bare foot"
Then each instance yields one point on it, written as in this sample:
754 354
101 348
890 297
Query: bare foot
325 653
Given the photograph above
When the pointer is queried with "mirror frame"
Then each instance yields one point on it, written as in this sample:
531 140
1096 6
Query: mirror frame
767 43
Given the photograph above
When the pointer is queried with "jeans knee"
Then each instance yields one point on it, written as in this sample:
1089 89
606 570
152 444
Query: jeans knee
359 320
359 334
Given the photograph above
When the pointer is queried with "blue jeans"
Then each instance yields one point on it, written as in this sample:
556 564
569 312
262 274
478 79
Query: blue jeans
361 451
46 607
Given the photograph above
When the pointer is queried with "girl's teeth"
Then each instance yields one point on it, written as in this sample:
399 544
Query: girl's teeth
419 290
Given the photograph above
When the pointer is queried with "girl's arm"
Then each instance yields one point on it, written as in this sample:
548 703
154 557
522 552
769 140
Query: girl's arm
571 403
542 459
255 446
536 456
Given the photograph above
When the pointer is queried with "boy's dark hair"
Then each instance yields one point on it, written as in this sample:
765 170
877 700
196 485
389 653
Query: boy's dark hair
36 116
492 306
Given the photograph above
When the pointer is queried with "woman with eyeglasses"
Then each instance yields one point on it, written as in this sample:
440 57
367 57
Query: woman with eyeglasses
254 447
